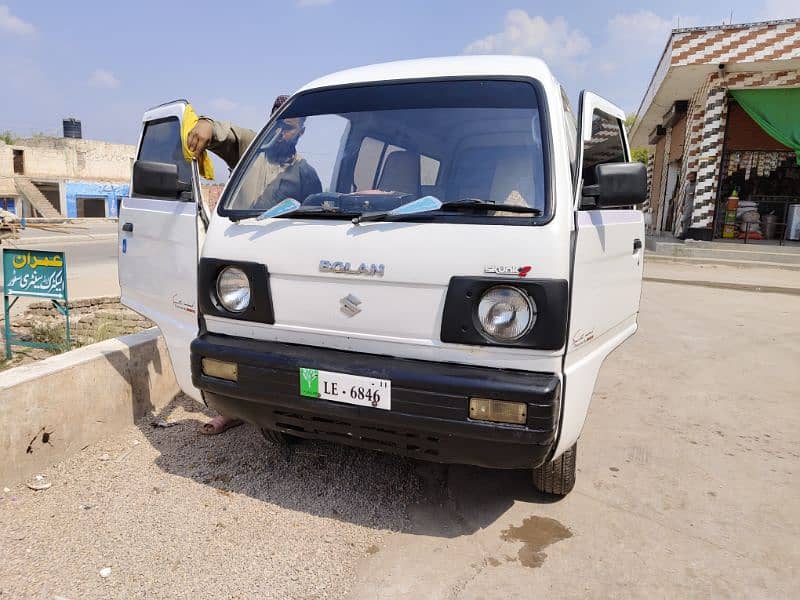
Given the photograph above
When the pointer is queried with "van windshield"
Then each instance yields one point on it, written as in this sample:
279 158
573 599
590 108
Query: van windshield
374 148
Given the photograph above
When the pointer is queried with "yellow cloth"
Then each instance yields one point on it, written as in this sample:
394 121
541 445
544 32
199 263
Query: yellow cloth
204 161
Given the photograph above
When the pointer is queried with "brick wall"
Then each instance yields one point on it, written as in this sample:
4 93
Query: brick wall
90 319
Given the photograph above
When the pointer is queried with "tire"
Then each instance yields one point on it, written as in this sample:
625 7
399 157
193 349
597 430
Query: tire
557 477
276 437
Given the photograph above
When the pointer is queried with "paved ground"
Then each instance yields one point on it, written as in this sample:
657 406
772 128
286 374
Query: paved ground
788 279
687 489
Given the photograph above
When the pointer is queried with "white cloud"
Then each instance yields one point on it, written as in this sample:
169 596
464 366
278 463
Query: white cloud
222 104
554 41
13 24
304 3
102 78
644 27
617 62
780 9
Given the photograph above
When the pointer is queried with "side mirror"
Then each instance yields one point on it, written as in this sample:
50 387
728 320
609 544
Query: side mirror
158 179
618 184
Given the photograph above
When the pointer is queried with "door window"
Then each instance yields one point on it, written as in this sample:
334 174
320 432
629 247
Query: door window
571 124
369 155
161 142
606 145
429 170
373 155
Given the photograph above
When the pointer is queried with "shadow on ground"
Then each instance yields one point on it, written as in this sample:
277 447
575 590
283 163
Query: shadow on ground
327 480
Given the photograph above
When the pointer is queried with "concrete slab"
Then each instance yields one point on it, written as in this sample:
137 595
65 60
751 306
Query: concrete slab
732 276
53 408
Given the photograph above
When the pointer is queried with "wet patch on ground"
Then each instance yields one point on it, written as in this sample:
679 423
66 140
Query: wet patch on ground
536 534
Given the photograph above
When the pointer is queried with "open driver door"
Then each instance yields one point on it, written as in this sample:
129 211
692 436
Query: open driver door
608 255
161 230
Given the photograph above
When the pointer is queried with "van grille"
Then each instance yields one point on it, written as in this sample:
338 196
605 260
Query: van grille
366 436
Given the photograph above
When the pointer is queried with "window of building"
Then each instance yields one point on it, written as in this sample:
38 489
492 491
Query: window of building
90 207
19 162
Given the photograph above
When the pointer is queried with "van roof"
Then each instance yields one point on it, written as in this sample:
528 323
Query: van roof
450 66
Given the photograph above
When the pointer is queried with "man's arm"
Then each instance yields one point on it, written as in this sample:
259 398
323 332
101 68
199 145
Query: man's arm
223 139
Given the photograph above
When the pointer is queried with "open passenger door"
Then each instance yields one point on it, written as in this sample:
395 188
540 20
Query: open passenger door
160 236
607 257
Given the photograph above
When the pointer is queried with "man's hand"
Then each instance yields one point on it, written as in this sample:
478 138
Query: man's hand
200 137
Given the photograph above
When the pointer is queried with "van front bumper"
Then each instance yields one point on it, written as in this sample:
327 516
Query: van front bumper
430 402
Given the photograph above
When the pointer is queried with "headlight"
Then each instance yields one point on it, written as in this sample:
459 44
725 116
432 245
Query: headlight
506 313
233 289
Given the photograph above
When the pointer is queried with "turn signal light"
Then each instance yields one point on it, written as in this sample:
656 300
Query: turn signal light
498 411
220 369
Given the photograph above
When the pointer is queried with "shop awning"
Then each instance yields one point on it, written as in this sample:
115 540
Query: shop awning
777 112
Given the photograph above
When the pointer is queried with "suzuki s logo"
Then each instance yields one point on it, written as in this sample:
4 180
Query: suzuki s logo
507 270
345 268
349 305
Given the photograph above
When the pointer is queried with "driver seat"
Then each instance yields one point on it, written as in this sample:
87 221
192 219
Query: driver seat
401 173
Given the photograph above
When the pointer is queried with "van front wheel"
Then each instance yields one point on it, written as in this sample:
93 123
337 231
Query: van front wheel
558 476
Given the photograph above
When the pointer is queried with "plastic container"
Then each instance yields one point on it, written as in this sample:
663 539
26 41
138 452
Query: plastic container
770 225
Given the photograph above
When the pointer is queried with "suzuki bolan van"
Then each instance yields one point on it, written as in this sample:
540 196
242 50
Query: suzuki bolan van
436 265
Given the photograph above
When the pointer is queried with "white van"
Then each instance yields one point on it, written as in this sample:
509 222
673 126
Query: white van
472 256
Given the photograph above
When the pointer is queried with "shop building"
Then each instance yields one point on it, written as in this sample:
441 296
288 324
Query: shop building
64 177
723 106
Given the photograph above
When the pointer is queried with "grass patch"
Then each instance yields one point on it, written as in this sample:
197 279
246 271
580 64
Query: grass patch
45 333
103 330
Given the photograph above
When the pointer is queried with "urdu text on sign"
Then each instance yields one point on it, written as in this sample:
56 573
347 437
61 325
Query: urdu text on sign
34 273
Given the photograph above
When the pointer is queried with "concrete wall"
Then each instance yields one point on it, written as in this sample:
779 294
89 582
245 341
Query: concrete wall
67 158
79 398
6 160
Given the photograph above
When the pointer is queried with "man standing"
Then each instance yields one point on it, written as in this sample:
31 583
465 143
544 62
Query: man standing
688 204
276 173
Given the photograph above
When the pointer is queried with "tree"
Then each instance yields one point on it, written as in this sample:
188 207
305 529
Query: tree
639 154
7 137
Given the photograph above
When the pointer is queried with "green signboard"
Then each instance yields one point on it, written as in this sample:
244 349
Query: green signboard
33 273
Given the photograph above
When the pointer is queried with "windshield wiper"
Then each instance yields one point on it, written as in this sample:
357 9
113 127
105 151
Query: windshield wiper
432 204
475 203
332 211
420 205
290 206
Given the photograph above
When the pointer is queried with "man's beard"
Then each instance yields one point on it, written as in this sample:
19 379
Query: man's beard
281 151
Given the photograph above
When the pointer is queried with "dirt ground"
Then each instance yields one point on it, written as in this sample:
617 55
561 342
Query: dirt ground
686 489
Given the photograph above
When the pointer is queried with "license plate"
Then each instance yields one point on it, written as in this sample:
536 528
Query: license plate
341 387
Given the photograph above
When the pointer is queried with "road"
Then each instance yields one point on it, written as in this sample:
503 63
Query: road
91 258
687 488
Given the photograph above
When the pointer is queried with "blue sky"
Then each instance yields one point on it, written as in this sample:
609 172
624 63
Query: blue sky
105 62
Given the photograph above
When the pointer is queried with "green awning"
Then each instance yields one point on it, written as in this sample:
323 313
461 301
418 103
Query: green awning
777 111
